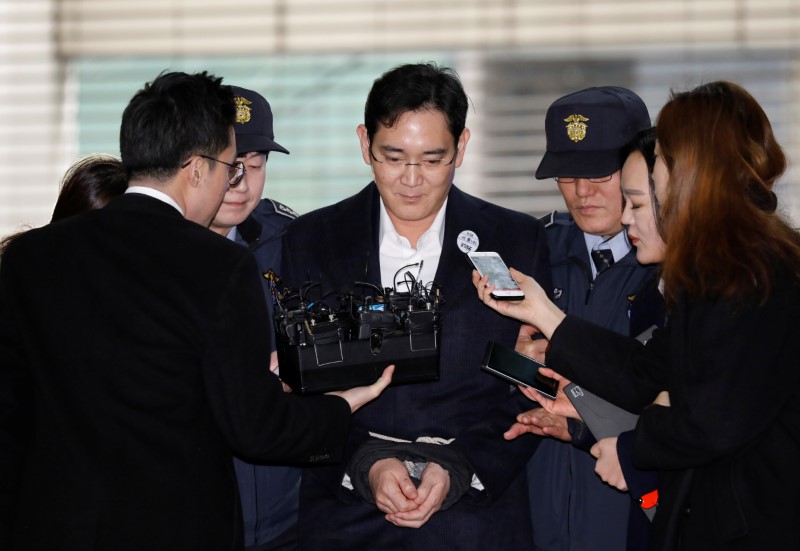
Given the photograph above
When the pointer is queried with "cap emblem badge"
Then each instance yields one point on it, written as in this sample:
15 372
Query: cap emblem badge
576 129
242 109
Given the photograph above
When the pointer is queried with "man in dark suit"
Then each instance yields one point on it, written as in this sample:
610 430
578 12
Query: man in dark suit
134 346
428 465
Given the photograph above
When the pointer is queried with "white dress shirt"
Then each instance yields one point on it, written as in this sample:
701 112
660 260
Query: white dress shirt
396 252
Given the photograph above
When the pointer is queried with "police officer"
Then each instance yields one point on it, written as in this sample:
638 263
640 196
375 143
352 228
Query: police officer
595 275
269 494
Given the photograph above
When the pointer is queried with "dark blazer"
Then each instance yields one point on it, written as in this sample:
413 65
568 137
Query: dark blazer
728 447
134 347
338 245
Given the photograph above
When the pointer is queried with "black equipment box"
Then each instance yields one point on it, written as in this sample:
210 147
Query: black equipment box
334 344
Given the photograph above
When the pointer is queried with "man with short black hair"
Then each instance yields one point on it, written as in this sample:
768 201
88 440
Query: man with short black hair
427 467
134 346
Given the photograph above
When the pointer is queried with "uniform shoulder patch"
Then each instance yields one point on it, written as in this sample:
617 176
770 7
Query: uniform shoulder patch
548 219
280 208
556 218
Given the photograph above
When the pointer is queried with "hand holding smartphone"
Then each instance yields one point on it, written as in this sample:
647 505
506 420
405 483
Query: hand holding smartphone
517 369
491 264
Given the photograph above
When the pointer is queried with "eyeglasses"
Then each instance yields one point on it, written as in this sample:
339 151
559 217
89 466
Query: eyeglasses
601 180
235 171
398 164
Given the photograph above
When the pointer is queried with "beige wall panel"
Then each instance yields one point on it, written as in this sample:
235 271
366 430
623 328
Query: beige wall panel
30 100
185 27
37 135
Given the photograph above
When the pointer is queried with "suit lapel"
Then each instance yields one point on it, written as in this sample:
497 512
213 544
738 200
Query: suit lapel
356 221
463 213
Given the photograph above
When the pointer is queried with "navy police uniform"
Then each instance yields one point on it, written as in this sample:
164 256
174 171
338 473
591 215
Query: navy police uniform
262 232
606 300
269 493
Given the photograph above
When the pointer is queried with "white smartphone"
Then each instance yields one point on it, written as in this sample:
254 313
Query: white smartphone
490 263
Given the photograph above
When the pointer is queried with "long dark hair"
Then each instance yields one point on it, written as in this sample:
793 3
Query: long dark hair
90 183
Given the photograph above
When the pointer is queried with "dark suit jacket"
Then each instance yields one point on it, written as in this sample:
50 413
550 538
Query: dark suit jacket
134 347
728 447
338 245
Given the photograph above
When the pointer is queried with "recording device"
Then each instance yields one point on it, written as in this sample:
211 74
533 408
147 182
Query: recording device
491 264
603 418
337 340
517 369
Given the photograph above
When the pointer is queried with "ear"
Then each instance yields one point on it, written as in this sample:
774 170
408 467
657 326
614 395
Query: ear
462 146
192 172
363 139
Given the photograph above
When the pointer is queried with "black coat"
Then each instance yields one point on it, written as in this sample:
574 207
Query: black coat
728 448
339 245
134 347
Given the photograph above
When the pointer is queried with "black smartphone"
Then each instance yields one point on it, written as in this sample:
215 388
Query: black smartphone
491 264
518 369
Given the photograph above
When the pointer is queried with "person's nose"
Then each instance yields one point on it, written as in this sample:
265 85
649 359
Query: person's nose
412 174
243 184
627 215
583 187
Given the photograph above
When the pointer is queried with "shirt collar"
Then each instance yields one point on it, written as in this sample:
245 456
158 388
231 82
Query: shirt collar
386 226
618 244
156 194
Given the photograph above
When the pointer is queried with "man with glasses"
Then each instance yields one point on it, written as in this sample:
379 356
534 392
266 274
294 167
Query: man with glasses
427 467
269 493
134 346
595 276
235 170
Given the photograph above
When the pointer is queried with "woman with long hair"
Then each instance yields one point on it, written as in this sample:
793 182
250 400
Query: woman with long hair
725 434
89 183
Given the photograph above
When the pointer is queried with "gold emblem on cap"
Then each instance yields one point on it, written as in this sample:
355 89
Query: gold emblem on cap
576 129
242 109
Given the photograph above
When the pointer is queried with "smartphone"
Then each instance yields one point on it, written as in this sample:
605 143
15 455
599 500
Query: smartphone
518 369
505 286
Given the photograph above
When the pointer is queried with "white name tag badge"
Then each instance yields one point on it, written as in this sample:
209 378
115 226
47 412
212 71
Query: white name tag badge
468 241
